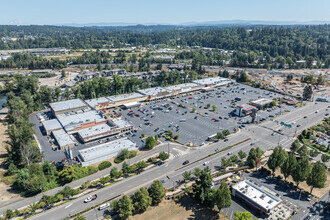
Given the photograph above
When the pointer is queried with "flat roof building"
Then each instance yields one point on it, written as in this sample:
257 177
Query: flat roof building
73 121
126 99
181 88
51 125
63 139
105 151
257 197
67 106
99 103
261 103
155 92
213 81
96 132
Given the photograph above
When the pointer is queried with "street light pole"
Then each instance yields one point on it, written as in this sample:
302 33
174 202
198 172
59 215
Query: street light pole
172 182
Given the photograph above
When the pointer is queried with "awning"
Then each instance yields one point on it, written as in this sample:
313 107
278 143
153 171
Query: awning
229 179
132 104
237 177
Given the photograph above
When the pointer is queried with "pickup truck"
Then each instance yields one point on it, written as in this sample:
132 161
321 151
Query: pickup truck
90 198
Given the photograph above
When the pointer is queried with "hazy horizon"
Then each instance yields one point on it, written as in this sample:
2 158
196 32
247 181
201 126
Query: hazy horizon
171 12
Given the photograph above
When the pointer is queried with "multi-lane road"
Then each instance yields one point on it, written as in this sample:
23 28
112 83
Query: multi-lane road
261 136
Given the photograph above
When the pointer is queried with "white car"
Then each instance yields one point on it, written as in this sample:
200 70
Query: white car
205 163
104 206
229 153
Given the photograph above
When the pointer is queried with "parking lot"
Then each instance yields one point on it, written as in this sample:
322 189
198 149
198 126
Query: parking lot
177 114
292 198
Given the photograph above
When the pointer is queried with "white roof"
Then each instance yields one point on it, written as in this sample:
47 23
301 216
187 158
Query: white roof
181 86
121 122
95 131
262 101
100 151
51 125
97 101
218 81
154 91
62 138
258 194
118 98
67 105
76 119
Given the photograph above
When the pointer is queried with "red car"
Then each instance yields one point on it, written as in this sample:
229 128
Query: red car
213 119
190 98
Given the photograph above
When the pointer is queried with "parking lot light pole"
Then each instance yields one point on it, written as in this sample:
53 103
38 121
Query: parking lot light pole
172 182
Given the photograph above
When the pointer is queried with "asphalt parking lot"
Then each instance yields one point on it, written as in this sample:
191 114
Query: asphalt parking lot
159 116
291 197
162 115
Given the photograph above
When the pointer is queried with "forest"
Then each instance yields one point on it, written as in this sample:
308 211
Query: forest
285 43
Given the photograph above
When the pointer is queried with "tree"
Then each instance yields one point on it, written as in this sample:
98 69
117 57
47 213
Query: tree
150 142
219 135
208 105
202 186
104 179
289 165
194 109
156 137
318 176
303 151
123 154
79 217
308 92
163 156
225 162
125 168
225 132
63 74
320 79
295 146
302 171
234 158
222 197
68 174
187 175
156 192
141 200
325 158
243 215
241 154
170 133
277 158
114 173
214 107
125 207
254 153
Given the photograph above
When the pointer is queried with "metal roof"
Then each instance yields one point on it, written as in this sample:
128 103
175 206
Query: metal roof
217 81
67 105
105 151
153 91
95 131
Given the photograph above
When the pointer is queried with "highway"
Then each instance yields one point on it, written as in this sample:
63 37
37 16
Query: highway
261 136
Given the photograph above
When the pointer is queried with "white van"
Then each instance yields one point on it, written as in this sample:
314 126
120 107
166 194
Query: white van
104 206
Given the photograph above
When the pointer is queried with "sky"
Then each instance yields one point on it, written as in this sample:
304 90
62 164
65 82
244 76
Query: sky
160 11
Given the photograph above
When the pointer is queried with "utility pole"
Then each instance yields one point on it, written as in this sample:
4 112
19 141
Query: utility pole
168 149
172 182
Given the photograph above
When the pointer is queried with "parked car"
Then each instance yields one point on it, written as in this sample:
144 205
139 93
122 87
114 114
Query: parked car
185 162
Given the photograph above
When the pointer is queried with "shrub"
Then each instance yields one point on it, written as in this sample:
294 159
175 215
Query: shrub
131 154
150 142
163 156
104 164
152 160
118 160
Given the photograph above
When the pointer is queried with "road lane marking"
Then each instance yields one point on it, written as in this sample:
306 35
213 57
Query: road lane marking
68 206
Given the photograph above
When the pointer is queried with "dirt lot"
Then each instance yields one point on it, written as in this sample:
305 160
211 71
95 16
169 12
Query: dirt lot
185 208
5 190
